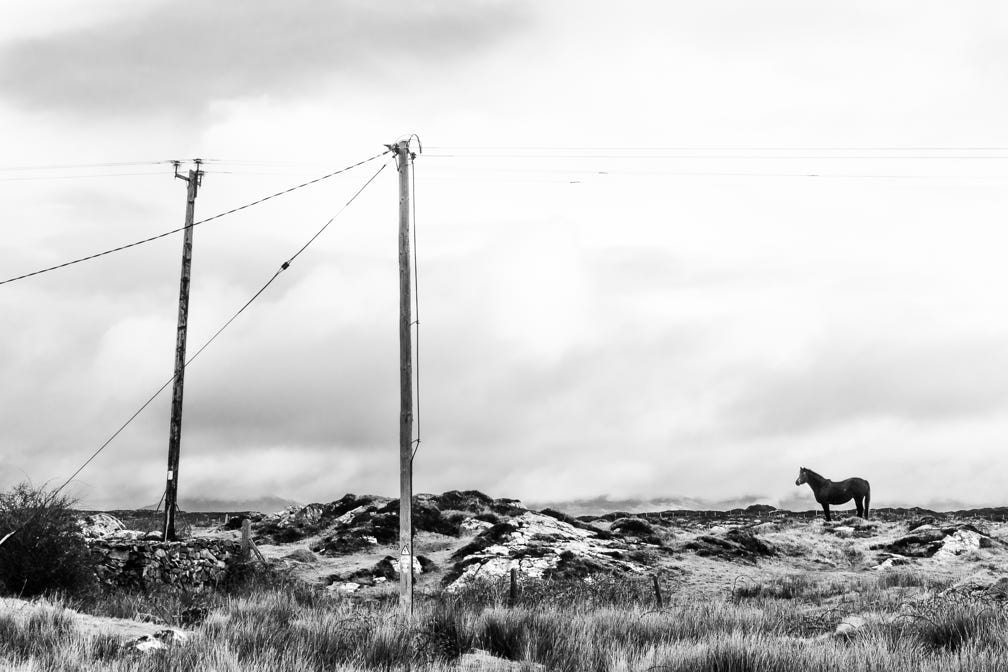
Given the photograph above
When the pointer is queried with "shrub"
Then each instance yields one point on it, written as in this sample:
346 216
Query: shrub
634 527
46 552
504 634
445 633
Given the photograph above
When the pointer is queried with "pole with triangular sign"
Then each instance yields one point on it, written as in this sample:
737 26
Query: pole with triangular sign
403 158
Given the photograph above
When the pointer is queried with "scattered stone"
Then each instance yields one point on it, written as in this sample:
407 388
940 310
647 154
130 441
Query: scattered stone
889 561
159 640
474 526
852 526
849 626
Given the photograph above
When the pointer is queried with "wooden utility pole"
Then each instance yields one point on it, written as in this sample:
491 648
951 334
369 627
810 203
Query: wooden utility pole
175 428
403 157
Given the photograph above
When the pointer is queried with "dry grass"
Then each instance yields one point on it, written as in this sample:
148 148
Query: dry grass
782 624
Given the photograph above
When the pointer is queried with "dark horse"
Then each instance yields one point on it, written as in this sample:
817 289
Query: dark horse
827 492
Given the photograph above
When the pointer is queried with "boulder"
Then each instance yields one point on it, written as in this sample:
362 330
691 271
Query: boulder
539 545
922 543
849 626
474 526
101 526
159 640
927 541
961 541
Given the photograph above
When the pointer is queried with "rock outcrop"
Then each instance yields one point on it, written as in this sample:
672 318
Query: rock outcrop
928 541
539 546
354 523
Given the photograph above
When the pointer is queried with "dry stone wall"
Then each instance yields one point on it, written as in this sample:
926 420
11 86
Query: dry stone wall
136 563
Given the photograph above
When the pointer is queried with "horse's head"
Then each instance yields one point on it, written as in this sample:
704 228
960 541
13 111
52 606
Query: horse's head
802 476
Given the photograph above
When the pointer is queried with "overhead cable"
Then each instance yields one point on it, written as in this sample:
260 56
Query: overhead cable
182 228
283 267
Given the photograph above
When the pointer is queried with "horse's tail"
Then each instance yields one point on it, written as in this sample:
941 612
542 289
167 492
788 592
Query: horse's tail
867 499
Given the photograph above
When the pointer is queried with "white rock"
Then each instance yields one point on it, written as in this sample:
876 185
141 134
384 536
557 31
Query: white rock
101 525
159 640
957 543
417 568
849 625
474 525
552 538
348 587
350 515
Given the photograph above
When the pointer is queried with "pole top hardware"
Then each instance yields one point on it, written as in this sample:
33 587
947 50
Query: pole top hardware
199 173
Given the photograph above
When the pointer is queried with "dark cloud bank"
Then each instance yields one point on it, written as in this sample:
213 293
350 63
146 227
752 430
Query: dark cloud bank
180 56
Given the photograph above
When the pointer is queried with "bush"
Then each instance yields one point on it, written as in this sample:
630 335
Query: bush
46 552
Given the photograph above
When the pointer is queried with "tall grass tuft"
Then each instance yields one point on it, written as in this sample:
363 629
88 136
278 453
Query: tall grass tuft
783 628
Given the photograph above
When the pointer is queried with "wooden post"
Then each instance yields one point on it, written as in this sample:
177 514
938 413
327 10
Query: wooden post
246 539
175 427
657 591
513 590
405 388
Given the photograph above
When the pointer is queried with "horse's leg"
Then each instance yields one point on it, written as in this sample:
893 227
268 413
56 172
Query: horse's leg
825 508
867 499
860 507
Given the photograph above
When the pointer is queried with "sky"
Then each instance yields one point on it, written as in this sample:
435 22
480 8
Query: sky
666 253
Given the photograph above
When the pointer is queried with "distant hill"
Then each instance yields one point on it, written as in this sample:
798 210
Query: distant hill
596 506
800 499
264 504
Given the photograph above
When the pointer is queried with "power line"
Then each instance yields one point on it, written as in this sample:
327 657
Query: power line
577 174
74 177
283 267
730 148
416 297
64 166
956 157
182 228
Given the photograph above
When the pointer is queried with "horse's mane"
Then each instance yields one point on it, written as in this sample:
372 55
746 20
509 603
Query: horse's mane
815 474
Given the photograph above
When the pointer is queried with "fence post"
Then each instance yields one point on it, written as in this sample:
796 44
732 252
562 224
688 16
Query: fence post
246 539
657 591
513 590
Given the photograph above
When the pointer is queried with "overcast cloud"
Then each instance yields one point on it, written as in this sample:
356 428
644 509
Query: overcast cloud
168 59
613 322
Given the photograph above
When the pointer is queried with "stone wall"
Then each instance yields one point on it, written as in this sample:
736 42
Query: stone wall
136 563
